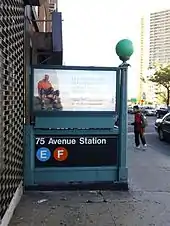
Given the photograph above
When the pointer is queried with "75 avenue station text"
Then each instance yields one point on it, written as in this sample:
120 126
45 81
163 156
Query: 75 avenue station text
68 141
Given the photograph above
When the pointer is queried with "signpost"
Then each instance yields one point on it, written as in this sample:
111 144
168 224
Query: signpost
133 100
43 154
142 101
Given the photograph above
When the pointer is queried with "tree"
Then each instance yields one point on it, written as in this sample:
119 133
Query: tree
142 79
162 96
162 77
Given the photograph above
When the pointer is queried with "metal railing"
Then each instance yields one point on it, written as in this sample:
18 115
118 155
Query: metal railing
11 98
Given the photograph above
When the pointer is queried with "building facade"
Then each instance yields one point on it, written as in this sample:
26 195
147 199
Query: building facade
142 63
159 46
12 100
146 88
154 49
19 28
159 50
45 15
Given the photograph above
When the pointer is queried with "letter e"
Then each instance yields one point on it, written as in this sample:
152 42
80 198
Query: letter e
43 154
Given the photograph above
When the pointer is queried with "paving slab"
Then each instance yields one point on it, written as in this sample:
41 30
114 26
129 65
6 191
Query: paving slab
85 208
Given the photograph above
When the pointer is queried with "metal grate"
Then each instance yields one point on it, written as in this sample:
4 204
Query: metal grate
11 98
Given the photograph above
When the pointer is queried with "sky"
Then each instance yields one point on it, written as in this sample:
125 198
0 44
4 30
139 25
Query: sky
92 28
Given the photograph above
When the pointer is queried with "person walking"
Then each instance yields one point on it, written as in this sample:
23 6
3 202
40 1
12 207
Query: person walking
139 127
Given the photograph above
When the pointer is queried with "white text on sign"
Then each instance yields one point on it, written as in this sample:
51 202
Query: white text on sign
72 141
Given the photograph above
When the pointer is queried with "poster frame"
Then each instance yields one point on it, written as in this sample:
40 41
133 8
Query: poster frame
44 113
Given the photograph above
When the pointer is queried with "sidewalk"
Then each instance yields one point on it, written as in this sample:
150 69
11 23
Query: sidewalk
146 204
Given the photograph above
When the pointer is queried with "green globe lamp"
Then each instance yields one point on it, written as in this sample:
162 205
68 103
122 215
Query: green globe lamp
124 49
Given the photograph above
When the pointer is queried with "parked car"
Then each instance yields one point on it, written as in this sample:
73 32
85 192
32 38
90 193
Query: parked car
130 110
161 112
162 126
149 111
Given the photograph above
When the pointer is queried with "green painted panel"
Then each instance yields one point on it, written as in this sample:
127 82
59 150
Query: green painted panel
82 174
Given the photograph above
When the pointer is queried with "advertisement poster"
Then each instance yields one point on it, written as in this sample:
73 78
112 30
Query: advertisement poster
74 90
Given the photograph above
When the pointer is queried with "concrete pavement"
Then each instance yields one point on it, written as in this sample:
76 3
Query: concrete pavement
150 171
147 203
85 209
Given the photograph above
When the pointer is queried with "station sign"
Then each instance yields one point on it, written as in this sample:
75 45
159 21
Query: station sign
75 151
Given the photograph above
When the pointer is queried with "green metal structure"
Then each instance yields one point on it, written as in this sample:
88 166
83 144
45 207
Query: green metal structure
71 146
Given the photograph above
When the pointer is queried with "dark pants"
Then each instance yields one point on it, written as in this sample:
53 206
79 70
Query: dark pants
49 92
139 135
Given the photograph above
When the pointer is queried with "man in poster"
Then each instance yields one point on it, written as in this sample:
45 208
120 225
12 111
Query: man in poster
47 92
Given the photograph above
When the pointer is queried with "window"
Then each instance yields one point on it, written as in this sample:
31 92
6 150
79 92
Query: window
167 118
30 55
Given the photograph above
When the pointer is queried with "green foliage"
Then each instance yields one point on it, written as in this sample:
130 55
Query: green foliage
150 103
162 97
142 79
162 78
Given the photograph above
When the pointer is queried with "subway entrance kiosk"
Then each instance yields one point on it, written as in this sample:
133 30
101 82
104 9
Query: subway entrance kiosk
72 140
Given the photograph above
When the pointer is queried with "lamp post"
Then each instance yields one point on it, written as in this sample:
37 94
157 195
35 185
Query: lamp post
124 49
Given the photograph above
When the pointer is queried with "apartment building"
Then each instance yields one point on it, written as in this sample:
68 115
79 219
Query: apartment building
142 63
159 47
154 48
146 88
159 50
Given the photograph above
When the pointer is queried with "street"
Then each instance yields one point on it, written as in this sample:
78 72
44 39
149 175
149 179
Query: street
155 165
147 203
